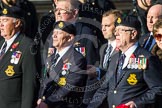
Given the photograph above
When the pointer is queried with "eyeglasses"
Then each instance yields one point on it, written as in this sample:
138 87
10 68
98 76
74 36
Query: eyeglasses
62 11
122 30
158 36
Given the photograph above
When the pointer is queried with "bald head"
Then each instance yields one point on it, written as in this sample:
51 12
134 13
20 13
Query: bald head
154 13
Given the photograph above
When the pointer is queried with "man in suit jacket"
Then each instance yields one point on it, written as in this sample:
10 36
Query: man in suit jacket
63 87
17 63
154 13
134 80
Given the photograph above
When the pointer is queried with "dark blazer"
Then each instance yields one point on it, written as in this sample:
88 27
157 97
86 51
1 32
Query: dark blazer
143 92
70 95
17 80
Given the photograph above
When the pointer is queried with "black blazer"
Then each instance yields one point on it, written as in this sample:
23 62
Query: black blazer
17 80
143 92
70 95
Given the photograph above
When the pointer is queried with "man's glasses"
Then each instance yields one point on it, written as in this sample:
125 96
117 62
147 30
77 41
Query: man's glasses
62 11
122 30
158 36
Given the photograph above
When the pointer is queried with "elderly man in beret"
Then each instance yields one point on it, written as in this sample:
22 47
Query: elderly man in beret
64 80
134 74
17 63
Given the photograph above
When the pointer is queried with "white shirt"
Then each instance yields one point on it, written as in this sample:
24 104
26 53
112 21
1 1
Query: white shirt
113 44
61 53
10 41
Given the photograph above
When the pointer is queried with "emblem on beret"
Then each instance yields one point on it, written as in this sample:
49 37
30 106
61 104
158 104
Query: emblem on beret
5 11
132 80
10 71
61 25
119 20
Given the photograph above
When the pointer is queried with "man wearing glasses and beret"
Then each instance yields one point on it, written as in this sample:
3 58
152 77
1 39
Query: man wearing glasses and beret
134 76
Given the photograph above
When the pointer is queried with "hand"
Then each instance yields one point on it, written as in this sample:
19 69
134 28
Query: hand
42 105
91 71
131 104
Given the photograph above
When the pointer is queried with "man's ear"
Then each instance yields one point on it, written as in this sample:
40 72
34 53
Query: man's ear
133 34
70 37
75 13
17 23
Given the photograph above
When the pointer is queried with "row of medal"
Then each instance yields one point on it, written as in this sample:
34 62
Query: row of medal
137 63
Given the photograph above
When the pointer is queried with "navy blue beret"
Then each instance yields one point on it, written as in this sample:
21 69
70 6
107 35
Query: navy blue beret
65 26
13 11
130 21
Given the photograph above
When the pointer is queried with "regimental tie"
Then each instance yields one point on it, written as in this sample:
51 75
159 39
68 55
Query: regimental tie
107 56
3 50
149 43
54 60
120 64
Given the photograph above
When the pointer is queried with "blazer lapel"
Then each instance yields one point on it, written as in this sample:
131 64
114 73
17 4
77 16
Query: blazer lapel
8 54
58 68
113 66
126 69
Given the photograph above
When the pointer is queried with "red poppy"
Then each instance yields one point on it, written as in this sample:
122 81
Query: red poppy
15 45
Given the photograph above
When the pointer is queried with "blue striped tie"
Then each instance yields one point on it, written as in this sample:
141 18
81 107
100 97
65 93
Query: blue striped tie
3 50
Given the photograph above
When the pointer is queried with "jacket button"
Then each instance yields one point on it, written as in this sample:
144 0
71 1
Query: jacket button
113 106
115 91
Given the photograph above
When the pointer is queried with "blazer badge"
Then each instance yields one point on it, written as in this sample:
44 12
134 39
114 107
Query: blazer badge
132 80
10 71
81 50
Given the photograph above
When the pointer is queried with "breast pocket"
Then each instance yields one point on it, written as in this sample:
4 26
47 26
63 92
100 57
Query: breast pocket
134 77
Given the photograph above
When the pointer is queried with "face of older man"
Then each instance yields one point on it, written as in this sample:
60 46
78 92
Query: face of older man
125 37
153 15
61 39
7 27
63 11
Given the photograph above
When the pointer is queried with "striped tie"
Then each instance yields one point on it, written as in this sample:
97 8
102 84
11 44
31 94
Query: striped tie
107 56
3 50
120 64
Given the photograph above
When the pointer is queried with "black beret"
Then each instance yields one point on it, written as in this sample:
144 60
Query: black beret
130 21
65 26
13 11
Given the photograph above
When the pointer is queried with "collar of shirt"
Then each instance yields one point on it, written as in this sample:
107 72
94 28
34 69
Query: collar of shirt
113 44
10 41
62 52
128 53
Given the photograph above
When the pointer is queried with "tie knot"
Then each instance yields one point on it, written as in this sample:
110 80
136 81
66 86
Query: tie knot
57 56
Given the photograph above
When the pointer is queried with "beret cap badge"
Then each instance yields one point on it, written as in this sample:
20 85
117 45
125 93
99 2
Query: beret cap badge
119 20
61 25
4 11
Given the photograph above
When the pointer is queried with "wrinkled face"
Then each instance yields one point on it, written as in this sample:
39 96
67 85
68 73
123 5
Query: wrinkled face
152 17
60 38
63 11
108 26
7 27
124 36
158 37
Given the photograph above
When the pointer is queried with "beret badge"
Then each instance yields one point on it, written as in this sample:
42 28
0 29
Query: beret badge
119 20
61 25
5 11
